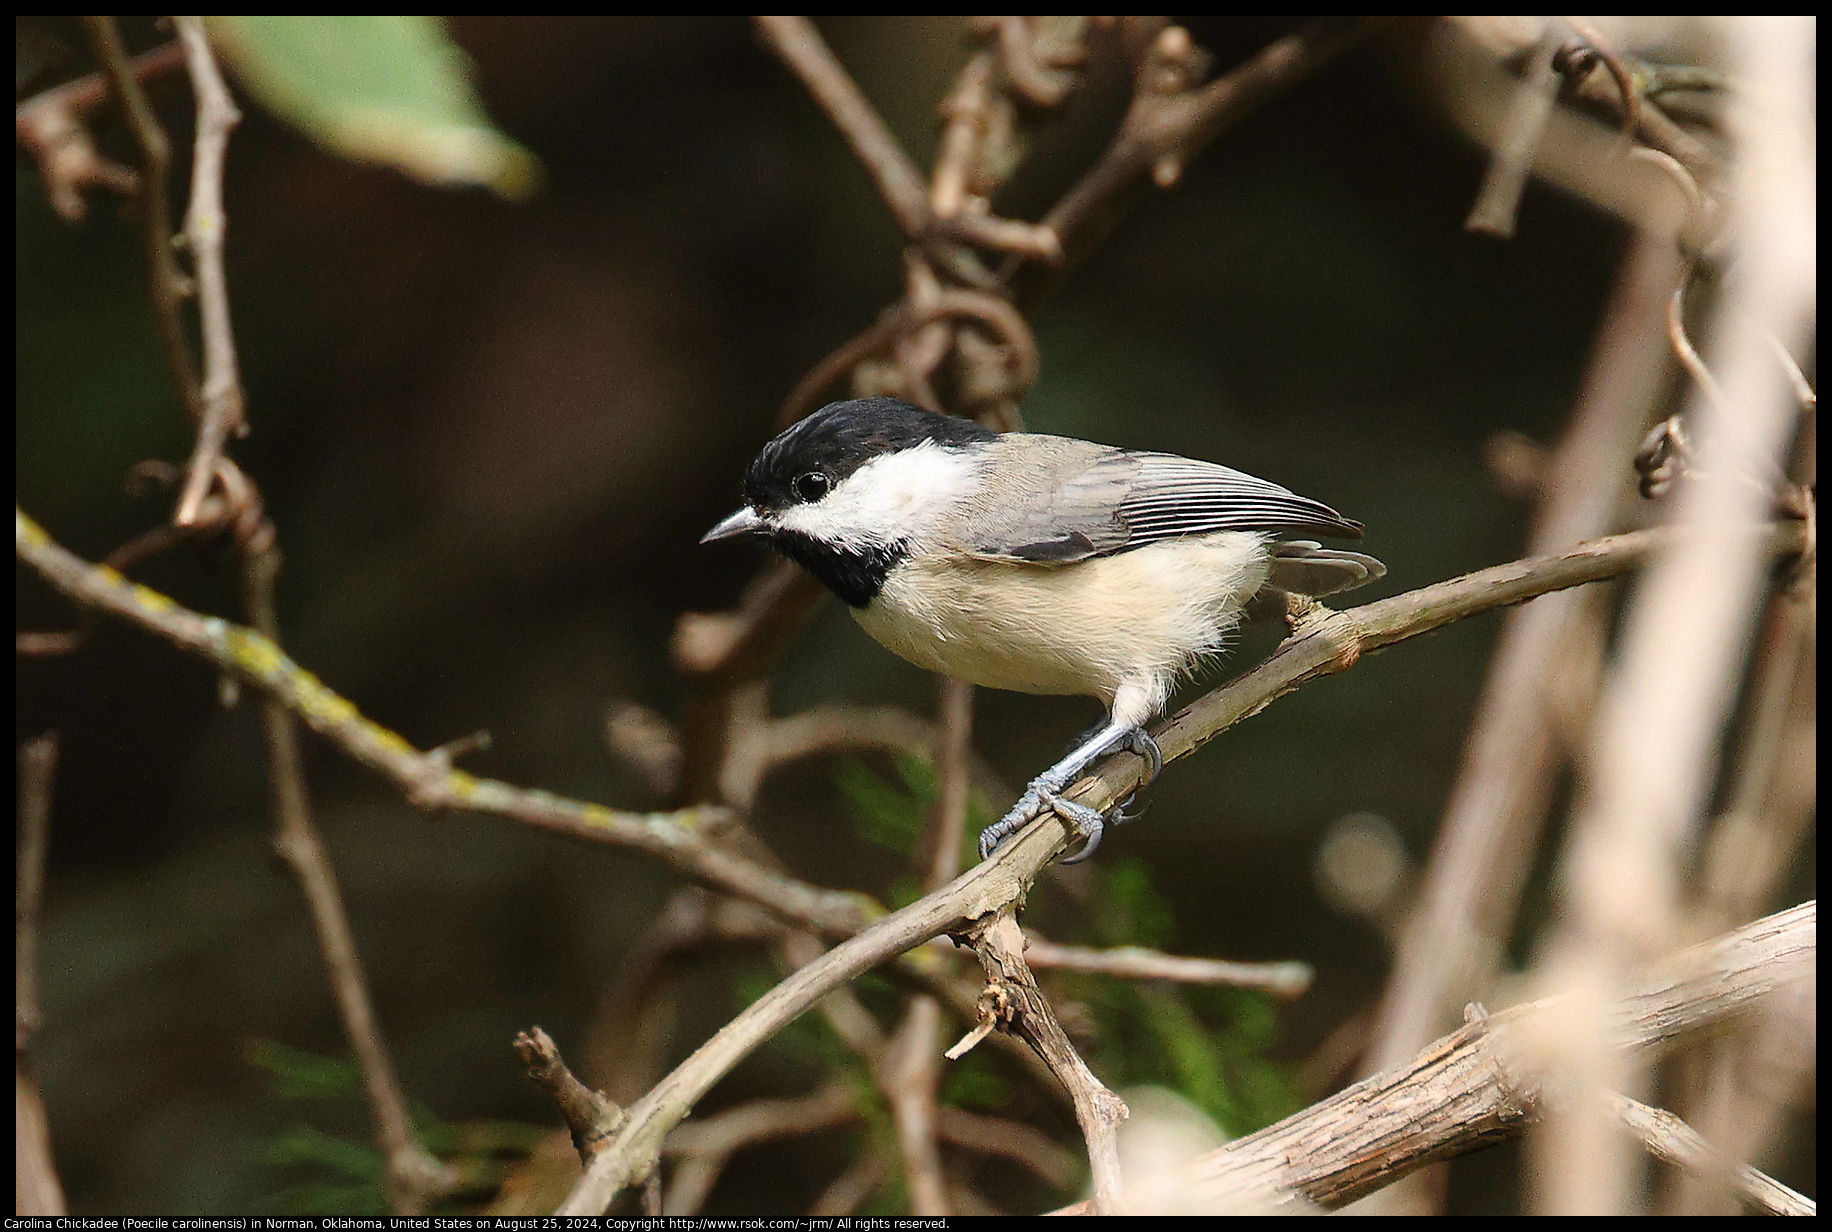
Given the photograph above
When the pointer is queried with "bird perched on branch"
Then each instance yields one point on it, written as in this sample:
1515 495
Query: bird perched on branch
1036 563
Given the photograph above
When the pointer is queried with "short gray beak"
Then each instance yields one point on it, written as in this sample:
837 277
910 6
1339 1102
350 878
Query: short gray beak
743 522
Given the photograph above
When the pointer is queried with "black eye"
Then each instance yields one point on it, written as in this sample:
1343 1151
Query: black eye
811 487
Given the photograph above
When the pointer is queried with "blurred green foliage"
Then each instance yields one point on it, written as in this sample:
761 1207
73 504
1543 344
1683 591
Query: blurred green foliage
333 1174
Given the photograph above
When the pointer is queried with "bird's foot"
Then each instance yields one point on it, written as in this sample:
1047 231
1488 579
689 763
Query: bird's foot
1089 823
1045 793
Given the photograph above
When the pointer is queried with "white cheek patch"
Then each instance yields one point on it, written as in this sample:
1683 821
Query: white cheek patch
894 496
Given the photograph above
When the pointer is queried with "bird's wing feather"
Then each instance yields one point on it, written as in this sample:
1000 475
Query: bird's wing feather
1070 500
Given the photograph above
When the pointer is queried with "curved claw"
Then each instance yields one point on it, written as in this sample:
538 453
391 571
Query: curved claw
1120 817
1087 848
1138 741
1088 823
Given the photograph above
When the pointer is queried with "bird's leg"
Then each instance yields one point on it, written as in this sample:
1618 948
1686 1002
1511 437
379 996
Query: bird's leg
1045 790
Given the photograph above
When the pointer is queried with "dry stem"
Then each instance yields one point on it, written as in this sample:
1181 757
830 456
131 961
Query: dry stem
204 226
1482 1083
166 284
36 1187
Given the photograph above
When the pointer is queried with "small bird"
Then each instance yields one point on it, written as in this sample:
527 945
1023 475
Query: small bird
1040 564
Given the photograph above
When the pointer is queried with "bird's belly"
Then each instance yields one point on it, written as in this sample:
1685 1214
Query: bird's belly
1085 628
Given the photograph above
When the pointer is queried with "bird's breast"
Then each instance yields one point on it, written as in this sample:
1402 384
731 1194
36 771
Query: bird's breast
1085 628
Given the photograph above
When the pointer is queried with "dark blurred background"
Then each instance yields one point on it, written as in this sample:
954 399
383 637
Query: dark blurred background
491 433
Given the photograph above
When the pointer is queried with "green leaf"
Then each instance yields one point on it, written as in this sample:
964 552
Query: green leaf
378 89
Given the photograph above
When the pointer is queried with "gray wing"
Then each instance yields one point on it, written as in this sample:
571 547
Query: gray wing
1063 500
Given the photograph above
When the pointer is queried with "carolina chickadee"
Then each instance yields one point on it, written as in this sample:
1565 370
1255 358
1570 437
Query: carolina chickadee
1035 563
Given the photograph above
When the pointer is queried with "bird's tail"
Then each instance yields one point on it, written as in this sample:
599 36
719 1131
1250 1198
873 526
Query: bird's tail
1303 567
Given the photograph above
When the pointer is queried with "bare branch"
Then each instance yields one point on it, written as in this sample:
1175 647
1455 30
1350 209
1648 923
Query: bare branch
800 46
166 284
1498 204
590 1117
909 1077
1687 354
1131 962
679 838
701 1148
852 1187
413 1176
1670 1138
204 226
36 1187
953 762
50 127
998 942
37 773
1165 128
1482 1083
980 891
1013 1140
1333 641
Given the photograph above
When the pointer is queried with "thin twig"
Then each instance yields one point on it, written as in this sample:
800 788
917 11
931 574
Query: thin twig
679 838
852 1187
998 942
85 94
1688 355
413 1176
965 112
589 1115
1012 1140
800 46
1325 646
742 644
50 127
628 1038
1167 129
1668 1137
204 225
144 546
826 730
1335 641
1497 206
978 892
839 362
37 773
1131 962
37 1190
166 284
1770 803
1803 388
911 1074
1753 1081
910 1079
701 1148
953 763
